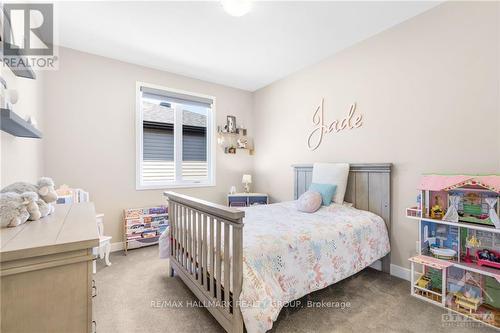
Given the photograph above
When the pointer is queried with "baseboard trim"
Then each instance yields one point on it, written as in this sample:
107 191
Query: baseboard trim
118 246
397 271
400 272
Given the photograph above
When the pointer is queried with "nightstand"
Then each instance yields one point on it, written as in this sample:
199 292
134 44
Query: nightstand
247 199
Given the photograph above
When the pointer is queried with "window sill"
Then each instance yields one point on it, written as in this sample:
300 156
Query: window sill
172 186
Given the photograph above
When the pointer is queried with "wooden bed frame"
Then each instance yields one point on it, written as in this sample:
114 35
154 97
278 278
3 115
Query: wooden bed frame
193 255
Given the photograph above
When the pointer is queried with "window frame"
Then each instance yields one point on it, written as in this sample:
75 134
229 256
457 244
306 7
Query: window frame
139 134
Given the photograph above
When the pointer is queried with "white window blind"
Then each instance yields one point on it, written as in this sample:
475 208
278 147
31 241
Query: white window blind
176 131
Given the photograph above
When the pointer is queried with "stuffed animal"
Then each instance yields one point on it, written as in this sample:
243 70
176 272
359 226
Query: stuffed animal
31 199
13 209
44 188
45 208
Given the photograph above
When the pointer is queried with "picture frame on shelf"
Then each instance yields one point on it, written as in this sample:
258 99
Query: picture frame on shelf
231 124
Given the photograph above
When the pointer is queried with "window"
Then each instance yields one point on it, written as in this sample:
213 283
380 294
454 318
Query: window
175 138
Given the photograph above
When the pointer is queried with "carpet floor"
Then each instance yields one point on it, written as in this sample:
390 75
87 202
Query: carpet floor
135 294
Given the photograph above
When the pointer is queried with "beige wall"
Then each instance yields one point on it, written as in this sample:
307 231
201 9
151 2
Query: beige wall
428 90
90 132
429 93
21 158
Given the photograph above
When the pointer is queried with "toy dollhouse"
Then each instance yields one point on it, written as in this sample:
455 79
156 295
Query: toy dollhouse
459 245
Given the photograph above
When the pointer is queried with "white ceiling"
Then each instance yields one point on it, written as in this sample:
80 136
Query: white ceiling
199 40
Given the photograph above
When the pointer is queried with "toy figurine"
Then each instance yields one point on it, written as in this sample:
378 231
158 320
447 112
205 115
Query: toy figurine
488 258
437 210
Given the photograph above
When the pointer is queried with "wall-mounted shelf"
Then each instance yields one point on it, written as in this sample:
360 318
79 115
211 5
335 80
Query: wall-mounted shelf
23 69
229 141
17 126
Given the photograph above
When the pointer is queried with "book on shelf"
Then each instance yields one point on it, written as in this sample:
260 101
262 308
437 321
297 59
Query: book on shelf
67 195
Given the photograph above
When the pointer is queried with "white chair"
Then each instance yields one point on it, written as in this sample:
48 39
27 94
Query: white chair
104 242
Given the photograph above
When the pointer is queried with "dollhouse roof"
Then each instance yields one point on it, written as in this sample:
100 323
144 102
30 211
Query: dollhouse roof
450 182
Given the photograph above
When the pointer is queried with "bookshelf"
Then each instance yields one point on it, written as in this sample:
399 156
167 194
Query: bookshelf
143 226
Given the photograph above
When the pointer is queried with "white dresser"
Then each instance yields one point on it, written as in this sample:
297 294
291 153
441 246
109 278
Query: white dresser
46 272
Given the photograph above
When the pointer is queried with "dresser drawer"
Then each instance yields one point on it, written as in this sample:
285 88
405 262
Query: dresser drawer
237 201
257 200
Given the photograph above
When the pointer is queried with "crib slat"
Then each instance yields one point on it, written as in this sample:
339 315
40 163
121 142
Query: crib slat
190 243
227 266
186 235
218 258
180 234
204 223
199 240
177 231
178 226
237 270
171 222
184 238
189 240
211 249
195 243
212 256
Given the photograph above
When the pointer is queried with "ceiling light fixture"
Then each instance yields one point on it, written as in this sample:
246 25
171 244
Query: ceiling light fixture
236 7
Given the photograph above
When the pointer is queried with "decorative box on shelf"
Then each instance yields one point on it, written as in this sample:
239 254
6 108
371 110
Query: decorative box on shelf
247 199
143 226
458 245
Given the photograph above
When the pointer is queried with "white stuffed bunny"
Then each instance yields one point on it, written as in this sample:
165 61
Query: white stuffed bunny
13 209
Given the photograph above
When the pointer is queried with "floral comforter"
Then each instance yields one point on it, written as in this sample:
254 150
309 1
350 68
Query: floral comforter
288 254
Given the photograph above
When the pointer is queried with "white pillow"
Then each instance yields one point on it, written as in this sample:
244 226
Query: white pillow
332 173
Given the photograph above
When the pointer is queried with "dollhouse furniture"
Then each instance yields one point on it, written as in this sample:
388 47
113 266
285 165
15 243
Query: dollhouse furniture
459 241
468 303
247 199
488 258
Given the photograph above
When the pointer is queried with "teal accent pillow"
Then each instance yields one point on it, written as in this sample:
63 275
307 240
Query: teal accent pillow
327 191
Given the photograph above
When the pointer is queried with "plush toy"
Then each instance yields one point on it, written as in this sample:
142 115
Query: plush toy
31 199
44 188
13 209
45 208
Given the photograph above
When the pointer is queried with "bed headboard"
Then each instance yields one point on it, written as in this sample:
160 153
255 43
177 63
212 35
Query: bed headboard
368 187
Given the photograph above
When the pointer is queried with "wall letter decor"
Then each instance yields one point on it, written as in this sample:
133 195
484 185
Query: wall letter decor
320 128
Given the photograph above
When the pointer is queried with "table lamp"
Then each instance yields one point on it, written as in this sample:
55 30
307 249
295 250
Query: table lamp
470 243
247 179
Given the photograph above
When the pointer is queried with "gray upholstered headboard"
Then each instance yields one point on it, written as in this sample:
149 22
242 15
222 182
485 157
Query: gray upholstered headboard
368 188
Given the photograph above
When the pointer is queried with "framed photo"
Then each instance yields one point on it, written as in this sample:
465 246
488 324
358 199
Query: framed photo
231 124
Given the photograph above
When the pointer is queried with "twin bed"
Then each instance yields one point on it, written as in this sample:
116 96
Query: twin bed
245 265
